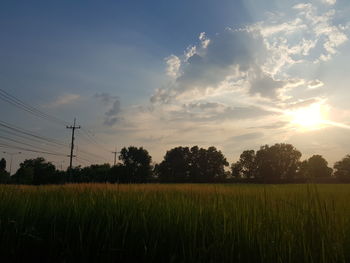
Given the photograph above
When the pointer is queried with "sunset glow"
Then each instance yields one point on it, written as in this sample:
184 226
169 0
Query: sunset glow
309 118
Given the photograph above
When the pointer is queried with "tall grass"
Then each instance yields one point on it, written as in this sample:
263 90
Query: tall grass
175 223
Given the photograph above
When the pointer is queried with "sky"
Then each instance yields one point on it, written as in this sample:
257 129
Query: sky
161 74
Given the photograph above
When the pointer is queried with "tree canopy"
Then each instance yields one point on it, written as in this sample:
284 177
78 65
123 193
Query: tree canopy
2 164
136 162
342 168
192 164
279 161
35 171
315 167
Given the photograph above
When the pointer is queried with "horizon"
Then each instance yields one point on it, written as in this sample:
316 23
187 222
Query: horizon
160 75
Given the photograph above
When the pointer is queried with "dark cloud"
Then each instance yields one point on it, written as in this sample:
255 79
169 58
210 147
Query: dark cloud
246 112
230 53
110 121
266 86
163 96
105 97
233 47
115 109
275 125
112 115
247 136
204 105
211 111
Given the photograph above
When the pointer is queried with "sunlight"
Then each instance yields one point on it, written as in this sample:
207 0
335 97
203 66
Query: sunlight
309 118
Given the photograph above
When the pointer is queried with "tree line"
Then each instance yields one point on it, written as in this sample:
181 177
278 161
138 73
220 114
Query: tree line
277 163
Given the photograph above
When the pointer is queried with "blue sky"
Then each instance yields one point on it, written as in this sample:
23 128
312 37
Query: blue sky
158 74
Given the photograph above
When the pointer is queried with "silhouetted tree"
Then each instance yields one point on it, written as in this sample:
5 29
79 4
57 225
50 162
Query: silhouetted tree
279 161
98 173
176 165
246 165
236 170
119 174
342 168
2 164
315 167
35 171
4 176
206 164
195 165
137 163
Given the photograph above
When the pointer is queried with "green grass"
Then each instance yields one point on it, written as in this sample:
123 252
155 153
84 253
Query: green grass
175 223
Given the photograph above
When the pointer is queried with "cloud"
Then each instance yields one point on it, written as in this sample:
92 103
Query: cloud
105 97
173 66
247 78
315 84
63 100
274 125
115 109
112 114
255 59
265 85
216 60
329 2
211 111
204 39
247 136
302 103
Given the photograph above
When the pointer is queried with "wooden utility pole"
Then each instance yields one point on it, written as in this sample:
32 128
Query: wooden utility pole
72 143
115 156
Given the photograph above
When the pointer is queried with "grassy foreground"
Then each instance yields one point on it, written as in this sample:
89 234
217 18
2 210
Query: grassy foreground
175 223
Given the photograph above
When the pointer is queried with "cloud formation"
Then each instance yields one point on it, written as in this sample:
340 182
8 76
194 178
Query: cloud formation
329 2
112 114
238 85
256 59
63 100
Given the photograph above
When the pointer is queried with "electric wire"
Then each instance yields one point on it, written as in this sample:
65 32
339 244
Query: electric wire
14 101
5 96
8 146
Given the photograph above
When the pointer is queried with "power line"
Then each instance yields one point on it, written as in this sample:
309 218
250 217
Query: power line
93 155
4 145
26 138
21 133
5 96
88 136
21 142
31 134
11 155
16 102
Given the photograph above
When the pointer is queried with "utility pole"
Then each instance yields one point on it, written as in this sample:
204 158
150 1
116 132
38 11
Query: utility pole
11 154
72 143
115 156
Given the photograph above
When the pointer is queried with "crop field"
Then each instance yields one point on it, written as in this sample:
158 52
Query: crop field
175 223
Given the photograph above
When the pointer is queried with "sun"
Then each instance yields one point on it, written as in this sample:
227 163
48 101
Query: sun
309 118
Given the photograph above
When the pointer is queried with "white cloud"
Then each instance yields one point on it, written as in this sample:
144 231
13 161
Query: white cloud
252 74
315 84
173 66
329 2
255 59
204 39
189 52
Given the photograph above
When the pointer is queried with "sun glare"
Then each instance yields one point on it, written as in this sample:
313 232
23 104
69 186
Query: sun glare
309 118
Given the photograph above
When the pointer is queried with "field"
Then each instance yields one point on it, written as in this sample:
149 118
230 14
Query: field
175 223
